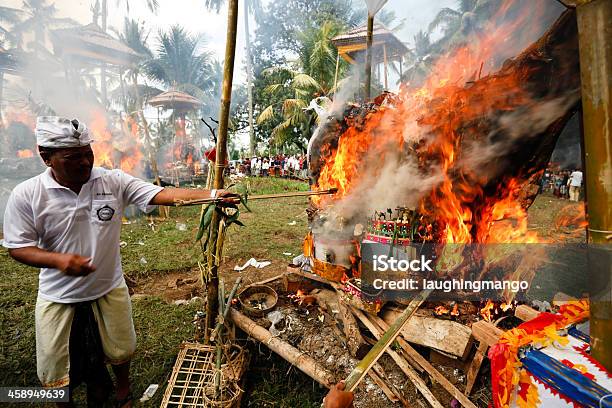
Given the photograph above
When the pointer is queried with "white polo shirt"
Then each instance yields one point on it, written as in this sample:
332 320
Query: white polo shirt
42 213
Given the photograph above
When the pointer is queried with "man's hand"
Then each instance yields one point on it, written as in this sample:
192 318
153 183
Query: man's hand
226 197
338 398
74 265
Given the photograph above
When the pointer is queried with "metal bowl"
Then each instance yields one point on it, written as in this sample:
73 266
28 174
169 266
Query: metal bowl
257 300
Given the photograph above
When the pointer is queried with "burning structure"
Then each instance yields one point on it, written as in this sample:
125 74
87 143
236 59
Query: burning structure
458 156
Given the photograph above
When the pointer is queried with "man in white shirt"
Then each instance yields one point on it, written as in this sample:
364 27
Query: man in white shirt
67 222
575 182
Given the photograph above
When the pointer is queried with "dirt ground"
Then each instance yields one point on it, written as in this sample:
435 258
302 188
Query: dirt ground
553 219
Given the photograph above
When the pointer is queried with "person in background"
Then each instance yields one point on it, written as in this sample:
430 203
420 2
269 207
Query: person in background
265 167
67 221
564 184
575 182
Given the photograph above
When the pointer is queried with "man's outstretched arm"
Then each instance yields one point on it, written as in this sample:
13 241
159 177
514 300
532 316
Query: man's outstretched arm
168 196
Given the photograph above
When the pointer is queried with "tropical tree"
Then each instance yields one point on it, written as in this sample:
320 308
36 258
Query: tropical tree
39 18
308 83
180 63
251 7
457 24
8 18
420 58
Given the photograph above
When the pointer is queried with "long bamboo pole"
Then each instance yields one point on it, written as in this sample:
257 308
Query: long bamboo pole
594 31
302 361
212 284
180 203
368 62
384 342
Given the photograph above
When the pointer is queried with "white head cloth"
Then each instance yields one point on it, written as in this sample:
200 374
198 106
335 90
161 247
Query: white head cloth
56 132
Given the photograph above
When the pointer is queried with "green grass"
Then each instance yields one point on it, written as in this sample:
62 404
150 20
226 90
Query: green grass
161 326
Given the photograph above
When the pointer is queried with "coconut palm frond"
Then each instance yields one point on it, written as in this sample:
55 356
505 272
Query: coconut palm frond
291 105
270 89
265 115
445 17
305 81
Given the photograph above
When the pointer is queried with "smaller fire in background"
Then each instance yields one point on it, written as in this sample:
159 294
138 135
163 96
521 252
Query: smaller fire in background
25 153
120 149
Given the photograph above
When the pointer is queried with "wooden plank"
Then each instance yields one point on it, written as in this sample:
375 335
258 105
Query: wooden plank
382 374
526 313
437 357
431 370
383 386
486 332
329 300
403 364
474 368
444 335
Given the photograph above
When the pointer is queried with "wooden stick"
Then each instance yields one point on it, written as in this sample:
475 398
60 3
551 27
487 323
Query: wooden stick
294 356
431 370
403 364
225 309
383 386
382 374
384 341
200 201
525 313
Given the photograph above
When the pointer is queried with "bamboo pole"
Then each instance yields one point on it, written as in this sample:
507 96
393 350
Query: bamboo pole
212 285
180 203
594 31
336 73
401 362
294 356
368 62
384 342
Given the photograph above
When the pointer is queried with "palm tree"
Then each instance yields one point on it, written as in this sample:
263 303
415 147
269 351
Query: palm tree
9 16
309 82
134 36
40 17
420 58
457 24
180 63
103 9
251 7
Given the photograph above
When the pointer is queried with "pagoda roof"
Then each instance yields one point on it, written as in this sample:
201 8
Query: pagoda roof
91 44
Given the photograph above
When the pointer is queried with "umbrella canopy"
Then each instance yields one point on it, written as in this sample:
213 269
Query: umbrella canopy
174 99
92 45
352 44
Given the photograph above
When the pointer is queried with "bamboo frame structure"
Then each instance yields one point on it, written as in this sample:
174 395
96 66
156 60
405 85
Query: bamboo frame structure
193 377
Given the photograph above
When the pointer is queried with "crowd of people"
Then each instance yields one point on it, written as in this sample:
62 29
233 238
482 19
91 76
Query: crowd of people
562 183
295 166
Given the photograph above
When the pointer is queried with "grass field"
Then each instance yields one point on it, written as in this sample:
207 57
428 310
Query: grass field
154 258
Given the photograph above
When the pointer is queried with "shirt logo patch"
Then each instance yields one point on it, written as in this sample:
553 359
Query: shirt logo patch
105 213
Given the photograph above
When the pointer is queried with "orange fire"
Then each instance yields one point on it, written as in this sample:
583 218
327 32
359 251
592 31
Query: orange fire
122 150
25 153
485 312
463 211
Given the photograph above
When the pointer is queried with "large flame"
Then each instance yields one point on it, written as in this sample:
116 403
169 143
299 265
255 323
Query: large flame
431 120
121 150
